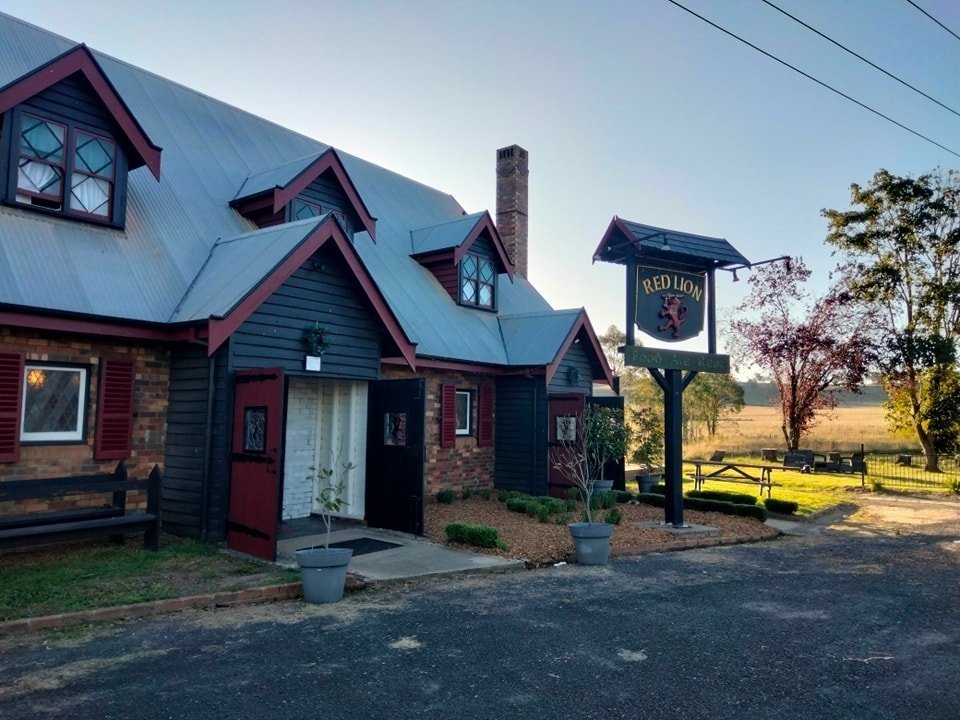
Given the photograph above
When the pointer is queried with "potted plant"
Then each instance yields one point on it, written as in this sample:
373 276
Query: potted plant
317 342
647 436
324 569
590 440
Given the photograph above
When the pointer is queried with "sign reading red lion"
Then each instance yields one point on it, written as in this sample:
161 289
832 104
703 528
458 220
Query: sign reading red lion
670 303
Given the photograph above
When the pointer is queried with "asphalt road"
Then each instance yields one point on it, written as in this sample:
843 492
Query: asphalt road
858 621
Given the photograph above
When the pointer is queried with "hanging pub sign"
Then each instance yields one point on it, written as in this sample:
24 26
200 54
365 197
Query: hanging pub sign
670 303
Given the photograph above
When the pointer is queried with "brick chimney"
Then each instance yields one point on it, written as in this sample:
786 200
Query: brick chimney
512 173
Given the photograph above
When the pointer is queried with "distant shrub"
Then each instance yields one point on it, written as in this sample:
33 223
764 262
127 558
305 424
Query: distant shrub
613 516
785 507
526 505
543 513
695 503
623 496
484 493
466 493
659 489
732 497
517 494
652 498
445 496
502 495
573 494
554 505
470 534
605 500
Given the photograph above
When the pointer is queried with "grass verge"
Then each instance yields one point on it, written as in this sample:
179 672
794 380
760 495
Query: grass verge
82 576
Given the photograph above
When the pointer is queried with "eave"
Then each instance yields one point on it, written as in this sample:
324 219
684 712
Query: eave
80 59
582 327
103 327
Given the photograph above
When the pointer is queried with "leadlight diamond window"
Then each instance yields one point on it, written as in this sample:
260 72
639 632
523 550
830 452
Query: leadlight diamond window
54 399
477 281
302 210
91 185
40 168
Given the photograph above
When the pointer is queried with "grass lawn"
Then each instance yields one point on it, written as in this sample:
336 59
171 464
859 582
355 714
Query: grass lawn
81 576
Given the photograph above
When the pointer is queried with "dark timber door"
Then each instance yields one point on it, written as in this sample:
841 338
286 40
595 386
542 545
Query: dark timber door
253 512
394 496
563 412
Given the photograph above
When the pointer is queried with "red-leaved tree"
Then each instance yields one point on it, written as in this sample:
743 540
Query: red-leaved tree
811 346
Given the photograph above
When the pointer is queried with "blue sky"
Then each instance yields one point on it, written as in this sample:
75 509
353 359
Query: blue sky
635 109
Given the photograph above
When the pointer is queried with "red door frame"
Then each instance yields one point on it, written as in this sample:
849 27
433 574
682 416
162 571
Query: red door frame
560 405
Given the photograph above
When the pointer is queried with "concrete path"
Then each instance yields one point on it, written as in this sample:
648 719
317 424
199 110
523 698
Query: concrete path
858 621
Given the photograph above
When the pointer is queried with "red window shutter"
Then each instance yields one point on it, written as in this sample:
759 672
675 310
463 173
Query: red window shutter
448 416
115 408
484 416
11 403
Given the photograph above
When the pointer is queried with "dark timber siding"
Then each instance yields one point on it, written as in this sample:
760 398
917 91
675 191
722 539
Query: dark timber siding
72 100
324 291
521 435
185 454
445 270
325 191
576 357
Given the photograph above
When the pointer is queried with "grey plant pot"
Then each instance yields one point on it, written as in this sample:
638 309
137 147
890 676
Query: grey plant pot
323 572
602 486
646 483
591 542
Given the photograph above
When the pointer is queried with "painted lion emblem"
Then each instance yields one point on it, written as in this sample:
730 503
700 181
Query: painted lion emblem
674 311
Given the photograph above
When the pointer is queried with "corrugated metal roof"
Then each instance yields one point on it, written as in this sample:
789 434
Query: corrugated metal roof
274 177
186 254
227 277
535 338
443 236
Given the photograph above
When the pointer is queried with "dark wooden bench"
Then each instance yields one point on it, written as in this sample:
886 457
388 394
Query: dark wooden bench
731 472
109 519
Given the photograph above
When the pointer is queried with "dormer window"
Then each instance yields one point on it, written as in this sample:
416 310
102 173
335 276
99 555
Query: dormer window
301 209
66 169
478 280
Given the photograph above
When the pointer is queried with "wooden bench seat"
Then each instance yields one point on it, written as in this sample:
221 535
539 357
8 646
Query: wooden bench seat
698 481
73 523
733 472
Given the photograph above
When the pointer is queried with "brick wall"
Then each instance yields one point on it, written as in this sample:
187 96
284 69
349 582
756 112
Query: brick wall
150 405
465 464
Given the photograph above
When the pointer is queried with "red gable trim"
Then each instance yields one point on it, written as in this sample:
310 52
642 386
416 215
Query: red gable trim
486 223
329 229
80 59
616 226
328 161
582 324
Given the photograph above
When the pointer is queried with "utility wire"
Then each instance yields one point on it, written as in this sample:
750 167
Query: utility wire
818 82
861 57
934 19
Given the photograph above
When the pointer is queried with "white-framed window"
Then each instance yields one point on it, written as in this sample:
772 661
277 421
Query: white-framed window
54 403
464 412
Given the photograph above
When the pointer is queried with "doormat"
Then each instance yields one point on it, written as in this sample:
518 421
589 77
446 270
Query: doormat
363 545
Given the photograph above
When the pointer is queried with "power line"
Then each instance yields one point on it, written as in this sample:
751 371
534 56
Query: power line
934 19
817 81
861 57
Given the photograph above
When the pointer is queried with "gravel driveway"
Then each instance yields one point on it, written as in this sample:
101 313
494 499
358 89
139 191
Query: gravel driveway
859 620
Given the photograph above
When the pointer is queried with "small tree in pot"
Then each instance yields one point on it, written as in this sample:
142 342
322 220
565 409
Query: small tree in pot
324 569
585 443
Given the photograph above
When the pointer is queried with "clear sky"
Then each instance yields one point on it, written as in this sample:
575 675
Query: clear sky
635 109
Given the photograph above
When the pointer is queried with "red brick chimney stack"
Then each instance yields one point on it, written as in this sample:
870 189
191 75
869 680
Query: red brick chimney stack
512 200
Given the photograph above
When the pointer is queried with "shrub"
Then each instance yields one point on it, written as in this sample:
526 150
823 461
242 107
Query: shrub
573 494
445 496
955 486
562 518
502 495
613 516
484 493
623 496
542 513
659 489
466 493
652 498
786 507
502 545
522 505
516 494
731 497
605 501
553 505
570 505
470 534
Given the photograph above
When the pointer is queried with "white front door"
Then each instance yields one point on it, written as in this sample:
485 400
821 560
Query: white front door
326 428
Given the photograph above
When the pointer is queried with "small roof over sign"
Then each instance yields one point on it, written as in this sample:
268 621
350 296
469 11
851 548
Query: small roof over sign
626 242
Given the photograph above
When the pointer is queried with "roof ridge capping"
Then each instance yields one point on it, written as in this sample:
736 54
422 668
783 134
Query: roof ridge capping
79 59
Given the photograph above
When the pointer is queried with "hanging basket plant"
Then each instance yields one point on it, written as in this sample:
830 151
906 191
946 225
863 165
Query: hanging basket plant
573 375
316 340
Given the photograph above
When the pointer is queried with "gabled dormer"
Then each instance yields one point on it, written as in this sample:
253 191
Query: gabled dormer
304 188
466 255
68 140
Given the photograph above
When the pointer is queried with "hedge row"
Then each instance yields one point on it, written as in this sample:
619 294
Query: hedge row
694 503
784 507
732 497
477 535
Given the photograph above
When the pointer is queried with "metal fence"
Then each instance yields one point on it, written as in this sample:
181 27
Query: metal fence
904 470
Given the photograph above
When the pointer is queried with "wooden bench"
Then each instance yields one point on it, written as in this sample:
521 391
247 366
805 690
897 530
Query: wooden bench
109 519
732 472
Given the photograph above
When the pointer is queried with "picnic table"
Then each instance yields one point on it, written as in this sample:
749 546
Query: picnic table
732 472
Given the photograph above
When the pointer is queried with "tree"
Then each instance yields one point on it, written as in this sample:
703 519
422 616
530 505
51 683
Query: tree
611 342
710 397
810 346
899 248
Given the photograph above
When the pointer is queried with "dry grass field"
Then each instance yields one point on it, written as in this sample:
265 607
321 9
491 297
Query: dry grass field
845 428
